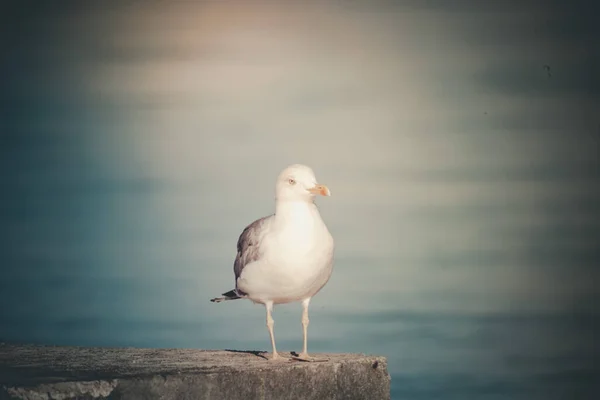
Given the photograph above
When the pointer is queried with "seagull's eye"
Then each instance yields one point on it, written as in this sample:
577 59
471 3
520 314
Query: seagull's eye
291 181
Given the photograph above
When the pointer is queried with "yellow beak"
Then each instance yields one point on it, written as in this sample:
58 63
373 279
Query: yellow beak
320 189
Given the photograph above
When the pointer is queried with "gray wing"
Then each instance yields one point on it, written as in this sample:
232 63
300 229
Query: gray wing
248 245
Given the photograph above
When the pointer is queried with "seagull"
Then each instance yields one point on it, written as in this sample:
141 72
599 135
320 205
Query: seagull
288 256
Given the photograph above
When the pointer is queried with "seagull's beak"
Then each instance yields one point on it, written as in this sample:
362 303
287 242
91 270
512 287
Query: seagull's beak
320 189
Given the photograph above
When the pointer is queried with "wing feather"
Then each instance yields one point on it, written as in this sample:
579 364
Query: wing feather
249 245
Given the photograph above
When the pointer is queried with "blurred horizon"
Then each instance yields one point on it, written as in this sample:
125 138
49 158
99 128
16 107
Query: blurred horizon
459 141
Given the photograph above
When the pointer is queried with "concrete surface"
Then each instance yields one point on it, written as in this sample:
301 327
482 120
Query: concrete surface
64 373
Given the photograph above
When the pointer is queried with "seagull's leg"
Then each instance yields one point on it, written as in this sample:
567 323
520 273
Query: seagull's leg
305 322
270 323
304 355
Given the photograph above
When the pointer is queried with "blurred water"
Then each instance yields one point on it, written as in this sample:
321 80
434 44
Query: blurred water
466 231
466 300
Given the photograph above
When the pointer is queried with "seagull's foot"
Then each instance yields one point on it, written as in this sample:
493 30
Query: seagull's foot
306 358
276 357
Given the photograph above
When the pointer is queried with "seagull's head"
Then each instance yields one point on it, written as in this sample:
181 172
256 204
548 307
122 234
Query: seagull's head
298 182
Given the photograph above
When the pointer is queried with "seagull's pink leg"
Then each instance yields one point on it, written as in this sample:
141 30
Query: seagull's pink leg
270 323
304 355
305 322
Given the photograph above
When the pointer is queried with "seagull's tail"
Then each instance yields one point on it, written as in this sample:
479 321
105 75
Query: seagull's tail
231 295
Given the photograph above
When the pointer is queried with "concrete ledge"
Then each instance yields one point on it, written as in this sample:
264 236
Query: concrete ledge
46 372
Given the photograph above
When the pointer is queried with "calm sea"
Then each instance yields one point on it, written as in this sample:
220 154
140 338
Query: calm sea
470 299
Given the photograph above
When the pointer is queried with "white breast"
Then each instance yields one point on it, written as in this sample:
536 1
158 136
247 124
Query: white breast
297 262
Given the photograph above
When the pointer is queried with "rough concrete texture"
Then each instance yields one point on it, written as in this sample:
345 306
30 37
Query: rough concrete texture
45 372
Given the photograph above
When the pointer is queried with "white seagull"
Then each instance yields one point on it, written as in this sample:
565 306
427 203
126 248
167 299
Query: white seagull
288 256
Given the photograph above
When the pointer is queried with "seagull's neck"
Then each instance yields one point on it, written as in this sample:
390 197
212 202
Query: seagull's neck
295 211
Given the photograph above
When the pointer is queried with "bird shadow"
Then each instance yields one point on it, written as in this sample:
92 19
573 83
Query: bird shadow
257 353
